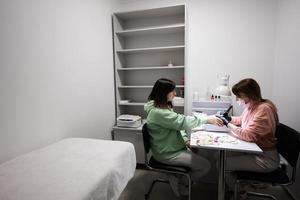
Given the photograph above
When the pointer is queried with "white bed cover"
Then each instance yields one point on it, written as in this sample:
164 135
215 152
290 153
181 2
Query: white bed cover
71 169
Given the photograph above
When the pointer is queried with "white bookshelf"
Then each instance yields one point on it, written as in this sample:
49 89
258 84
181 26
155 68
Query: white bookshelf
144 43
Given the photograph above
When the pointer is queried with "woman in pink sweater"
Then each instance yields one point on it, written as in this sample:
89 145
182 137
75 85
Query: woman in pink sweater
256 124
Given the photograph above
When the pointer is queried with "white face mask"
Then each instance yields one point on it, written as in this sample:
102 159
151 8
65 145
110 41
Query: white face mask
241 103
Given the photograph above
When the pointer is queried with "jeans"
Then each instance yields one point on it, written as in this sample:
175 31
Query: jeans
198 164
265 162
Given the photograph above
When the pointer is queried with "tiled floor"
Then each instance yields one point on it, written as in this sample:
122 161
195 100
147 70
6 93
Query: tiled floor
140 183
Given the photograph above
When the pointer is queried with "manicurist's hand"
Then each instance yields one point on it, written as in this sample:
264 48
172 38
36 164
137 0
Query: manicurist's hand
225 121
212 119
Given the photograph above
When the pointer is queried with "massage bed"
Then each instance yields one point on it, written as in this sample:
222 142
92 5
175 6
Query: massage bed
71 169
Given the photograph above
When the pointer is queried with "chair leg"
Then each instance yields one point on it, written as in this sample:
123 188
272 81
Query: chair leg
262 195
236 188
190 187
152 185
287 190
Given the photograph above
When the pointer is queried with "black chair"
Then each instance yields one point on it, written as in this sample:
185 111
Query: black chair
154 165
288 146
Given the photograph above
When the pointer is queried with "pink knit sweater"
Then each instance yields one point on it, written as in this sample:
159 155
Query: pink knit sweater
257 124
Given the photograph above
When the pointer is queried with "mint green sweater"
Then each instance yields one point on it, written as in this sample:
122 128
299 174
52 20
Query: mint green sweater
167 130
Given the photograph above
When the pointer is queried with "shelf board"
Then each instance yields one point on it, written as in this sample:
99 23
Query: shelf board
153 12
151 49
140 104
178 105
153 30
149 68
132 104
135 86
144 86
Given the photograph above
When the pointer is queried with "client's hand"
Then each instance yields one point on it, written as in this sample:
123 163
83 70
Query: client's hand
212 119
224 120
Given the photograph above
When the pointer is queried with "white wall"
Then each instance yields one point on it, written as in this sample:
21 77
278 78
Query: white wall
287 67
234 37
56 72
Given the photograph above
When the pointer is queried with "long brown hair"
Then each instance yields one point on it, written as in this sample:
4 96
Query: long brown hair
249 88
160 91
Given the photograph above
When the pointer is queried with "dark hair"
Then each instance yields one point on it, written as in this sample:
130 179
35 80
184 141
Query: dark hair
160 91
249 88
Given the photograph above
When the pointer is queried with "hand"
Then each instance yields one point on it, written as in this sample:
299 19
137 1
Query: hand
212 119
224 120
226 116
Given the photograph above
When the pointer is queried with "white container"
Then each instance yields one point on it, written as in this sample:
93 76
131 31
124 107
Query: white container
178 101
195 95
129 121
223 87
170 63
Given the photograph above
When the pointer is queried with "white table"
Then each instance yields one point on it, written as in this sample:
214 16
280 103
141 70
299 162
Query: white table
222 142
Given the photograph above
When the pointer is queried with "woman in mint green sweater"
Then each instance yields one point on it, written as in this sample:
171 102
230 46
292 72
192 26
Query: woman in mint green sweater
169 141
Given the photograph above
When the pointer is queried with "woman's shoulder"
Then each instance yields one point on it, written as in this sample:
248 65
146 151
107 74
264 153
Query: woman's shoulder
269 109
161 111
267 105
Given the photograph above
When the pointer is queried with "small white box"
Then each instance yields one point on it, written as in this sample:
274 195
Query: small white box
129 121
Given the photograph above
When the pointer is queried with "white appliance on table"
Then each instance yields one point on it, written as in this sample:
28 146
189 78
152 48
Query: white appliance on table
129 121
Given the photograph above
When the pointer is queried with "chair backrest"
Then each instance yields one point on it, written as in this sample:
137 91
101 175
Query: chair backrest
288 143
146 138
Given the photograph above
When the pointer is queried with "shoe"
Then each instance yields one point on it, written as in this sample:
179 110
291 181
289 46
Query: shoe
173 180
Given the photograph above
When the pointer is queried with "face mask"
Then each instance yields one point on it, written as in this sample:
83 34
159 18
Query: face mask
241 103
